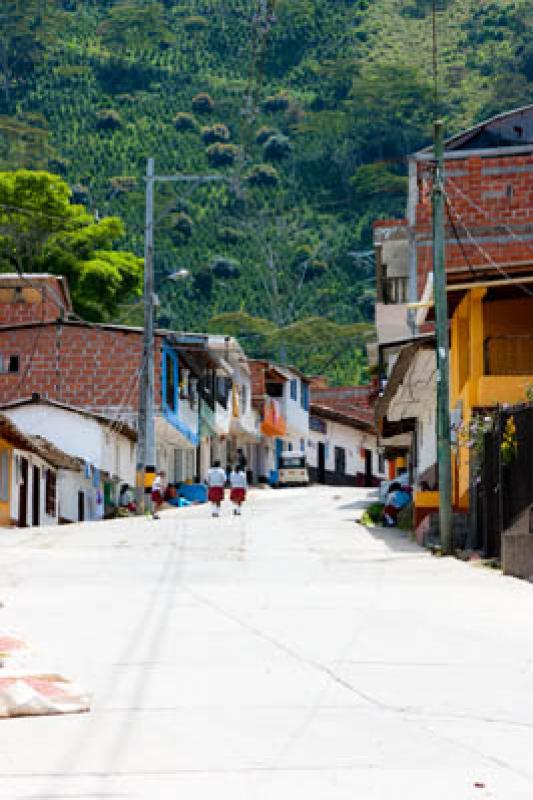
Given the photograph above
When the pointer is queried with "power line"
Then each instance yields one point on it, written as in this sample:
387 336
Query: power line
487 255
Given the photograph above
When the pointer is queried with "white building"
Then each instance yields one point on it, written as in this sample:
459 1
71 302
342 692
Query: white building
280 395
342 447
106 450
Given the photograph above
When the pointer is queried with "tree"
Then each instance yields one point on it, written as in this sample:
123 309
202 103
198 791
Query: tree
136 26
26 26
41 231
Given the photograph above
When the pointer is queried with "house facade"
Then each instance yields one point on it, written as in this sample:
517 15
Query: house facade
31 469
342 446
281 398
106 451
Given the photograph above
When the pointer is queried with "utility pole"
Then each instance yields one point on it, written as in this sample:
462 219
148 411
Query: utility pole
146 450
442 344
146 427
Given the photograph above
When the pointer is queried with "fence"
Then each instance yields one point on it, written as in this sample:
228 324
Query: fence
502 481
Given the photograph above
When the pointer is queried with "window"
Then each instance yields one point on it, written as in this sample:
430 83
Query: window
340 460
294 389
170 382
304 399
223 390
9 364
4 474
381 463
274 389
50 493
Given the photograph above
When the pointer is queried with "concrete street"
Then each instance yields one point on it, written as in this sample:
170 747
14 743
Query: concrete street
286 654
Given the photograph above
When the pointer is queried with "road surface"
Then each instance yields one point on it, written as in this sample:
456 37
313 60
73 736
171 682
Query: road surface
286 654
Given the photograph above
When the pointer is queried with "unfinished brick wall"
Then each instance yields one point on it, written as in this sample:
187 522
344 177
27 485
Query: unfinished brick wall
489 195
32 299
86 366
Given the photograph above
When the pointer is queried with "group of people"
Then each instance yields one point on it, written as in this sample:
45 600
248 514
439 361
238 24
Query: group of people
217 478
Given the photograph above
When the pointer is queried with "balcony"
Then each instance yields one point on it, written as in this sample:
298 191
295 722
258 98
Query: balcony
395 290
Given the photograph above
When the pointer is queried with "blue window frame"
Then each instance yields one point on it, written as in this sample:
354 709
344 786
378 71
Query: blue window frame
170 380
305 396
294 389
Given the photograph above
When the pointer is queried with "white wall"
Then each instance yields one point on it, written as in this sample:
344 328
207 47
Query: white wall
296 416
427 438
69 484
79 436
33 461
188 414
352 440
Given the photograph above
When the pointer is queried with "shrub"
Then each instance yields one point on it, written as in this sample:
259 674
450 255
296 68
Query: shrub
264 133
230 235
185 122
195 24
316 268
215 133
80 194
277 147
373 515
221 155
58 165
276 102
182 225
122 184
203 103
225 267
108 120
263 175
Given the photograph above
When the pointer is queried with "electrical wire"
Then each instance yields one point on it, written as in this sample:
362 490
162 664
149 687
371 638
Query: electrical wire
487 255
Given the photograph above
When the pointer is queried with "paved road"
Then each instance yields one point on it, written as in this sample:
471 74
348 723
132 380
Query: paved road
286 654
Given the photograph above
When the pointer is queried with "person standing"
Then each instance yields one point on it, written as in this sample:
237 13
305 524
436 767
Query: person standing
242 461
158 493
216 480
238 485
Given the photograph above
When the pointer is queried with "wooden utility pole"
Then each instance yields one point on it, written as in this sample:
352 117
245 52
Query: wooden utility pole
443 348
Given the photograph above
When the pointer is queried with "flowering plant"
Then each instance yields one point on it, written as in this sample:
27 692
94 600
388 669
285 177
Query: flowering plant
509 445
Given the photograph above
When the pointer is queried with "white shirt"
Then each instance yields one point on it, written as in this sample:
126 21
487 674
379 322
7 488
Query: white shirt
158 484
238 480
216 476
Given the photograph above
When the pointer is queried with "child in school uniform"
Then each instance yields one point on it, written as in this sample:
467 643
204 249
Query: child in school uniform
238 485
216 480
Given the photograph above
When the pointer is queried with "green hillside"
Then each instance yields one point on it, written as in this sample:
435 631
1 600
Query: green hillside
306 107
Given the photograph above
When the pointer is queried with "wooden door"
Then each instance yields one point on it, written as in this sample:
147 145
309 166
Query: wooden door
23 494
36 496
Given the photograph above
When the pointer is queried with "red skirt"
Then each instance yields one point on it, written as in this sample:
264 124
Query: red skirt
238 494
157 497
215 494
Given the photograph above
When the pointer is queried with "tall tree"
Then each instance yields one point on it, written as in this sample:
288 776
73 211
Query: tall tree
41 231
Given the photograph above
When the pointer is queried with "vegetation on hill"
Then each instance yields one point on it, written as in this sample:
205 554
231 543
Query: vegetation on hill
305 110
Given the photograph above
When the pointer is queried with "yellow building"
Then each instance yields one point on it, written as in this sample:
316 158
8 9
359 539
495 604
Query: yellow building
6 462
491 358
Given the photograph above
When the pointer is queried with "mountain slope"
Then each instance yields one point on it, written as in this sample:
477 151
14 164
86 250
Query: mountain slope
307 110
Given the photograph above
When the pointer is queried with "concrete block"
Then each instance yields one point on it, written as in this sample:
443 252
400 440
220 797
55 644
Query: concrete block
517 554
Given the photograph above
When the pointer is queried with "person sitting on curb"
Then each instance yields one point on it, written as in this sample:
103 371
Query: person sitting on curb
397 499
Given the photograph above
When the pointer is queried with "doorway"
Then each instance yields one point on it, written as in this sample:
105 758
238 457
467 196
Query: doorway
23 494
368 468
321 469
81 506
36 496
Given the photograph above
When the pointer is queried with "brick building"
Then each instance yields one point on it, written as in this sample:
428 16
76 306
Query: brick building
45 349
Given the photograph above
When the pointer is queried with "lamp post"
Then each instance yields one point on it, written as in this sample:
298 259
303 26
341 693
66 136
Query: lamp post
146 445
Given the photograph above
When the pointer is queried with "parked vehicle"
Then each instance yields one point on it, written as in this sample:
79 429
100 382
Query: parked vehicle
292 469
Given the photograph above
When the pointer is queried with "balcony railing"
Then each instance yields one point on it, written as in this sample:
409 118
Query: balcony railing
509 355
395 290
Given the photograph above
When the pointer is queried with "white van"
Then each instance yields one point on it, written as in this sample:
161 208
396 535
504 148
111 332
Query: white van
292 470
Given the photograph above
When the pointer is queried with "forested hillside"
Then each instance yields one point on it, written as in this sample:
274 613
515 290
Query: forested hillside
306 107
